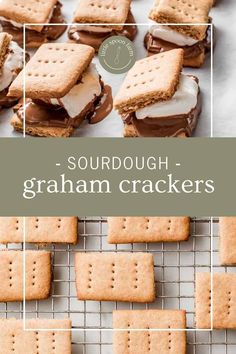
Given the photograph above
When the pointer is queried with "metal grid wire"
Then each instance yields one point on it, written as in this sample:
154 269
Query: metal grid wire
175 267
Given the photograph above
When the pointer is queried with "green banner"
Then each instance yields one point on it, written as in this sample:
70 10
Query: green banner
96 177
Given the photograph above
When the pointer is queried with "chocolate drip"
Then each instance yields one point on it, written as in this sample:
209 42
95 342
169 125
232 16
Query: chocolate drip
41 113
5 101
34 37
156 45
95 39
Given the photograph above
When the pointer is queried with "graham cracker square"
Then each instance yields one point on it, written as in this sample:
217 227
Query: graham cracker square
103 11
38 275
224 300
150 80
148 229
53 70
27 11
149 341
227 240
115 277
193 12
13 338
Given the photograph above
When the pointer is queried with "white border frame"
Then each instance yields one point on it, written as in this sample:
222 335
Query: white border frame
211 221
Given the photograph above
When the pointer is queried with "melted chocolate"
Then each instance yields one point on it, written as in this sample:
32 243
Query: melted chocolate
5 101
41 113
34 38
156 45
171 126
95 39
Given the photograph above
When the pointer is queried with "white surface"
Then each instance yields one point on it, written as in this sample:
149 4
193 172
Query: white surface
112 126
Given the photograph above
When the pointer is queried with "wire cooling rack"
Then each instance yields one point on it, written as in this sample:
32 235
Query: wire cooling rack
175 267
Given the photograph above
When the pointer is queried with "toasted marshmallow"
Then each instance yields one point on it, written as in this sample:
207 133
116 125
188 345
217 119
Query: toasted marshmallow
182 102
169 35
13 63
81 94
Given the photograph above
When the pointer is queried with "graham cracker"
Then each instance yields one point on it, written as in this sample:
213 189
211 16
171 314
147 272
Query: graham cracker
13 338
224 300
148 229
103 11
53 70
149 342
5 40
227 228
28 11
189 12
115 277
150 80
38 275
39 229
35 130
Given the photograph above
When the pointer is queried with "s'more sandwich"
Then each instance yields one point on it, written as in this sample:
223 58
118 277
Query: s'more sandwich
11 63
104 18
157 100
191 32
39 14
62 89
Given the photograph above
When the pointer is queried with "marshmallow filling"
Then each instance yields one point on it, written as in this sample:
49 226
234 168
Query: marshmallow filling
88 99
12 66
167 34
161 38
183 101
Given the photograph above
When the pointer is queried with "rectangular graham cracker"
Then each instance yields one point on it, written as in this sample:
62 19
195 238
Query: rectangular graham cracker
27 11
5 40
227 229
38 275
150 80
13 339
148 229
39 229
115 277
53 70
224 301
191 12
103 11
149 342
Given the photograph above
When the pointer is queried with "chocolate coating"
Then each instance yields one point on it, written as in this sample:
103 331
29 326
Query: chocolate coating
95 39
41 113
